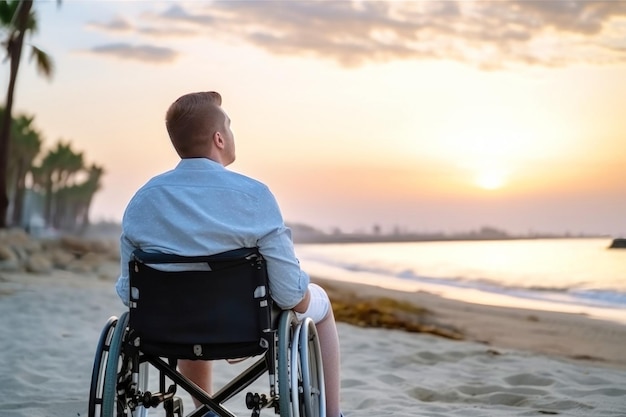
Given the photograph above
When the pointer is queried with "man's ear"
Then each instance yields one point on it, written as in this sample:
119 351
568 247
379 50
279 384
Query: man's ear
218 140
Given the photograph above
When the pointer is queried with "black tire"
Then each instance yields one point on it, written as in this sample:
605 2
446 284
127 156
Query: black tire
99 365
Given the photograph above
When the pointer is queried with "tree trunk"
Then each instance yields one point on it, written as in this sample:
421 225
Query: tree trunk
14 48
48 198
19 193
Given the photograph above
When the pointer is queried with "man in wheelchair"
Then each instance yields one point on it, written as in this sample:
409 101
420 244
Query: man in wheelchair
200 208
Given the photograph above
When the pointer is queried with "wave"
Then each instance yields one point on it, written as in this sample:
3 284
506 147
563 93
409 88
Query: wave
574 294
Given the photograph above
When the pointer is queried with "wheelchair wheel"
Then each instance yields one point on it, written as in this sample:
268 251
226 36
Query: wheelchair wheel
109 397
300 373
99 365
309 353
117 374
286 327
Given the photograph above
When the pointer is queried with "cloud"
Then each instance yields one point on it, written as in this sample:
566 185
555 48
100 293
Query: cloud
144 53
120 24
117 24
489 34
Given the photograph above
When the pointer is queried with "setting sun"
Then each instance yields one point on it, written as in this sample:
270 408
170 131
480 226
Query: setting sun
490 180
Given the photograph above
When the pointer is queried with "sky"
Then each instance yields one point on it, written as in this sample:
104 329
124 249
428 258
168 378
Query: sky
420 116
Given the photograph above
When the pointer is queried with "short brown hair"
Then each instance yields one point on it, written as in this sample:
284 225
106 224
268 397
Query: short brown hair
192 120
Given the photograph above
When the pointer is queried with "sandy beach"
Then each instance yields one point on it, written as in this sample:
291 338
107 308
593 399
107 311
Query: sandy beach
511 362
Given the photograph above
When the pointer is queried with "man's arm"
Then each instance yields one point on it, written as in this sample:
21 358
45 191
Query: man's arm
288 282
122 287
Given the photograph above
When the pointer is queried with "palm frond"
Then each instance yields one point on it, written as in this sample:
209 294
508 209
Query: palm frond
45 66
7 10
7 13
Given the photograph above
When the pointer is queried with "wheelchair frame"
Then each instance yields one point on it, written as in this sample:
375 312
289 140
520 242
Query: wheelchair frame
292 361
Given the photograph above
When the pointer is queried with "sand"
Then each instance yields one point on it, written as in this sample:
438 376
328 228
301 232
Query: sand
513 362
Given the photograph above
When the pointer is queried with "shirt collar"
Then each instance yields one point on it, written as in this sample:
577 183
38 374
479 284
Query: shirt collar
198 164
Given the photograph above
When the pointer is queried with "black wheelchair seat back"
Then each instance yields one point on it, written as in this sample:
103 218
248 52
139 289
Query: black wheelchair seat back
222 312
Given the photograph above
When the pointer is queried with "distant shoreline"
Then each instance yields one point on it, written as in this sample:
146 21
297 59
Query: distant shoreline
401 238
302 233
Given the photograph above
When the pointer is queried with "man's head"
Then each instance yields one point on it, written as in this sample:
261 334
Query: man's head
199 128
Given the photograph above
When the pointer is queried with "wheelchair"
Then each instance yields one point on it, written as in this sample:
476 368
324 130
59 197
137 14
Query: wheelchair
204 308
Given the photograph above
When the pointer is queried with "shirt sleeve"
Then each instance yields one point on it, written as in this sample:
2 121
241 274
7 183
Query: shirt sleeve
288 282
122 287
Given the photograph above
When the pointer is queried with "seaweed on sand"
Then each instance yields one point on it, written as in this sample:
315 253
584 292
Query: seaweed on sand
385 312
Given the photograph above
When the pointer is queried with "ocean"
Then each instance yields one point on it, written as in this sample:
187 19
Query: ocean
568 275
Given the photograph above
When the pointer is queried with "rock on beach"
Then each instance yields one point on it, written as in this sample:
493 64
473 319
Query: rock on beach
23 253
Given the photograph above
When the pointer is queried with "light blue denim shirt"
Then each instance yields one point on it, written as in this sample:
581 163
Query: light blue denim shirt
201 208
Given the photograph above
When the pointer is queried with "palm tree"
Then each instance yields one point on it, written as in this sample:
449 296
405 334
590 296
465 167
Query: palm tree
59 167
18 19
88 190
24 147
94 184
67 187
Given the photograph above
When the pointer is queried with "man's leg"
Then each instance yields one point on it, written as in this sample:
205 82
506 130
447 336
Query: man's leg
200 373
316 305
329 344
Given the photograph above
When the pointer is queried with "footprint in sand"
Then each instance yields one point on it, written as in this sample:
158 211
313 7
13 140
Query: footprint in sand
528 379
